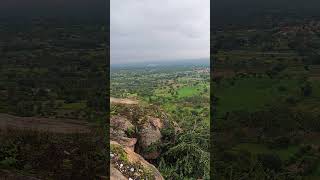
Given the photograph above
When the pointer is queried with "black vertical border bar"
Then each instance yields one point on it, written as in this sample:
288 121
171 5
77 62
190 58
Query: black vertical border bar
107 126
212 99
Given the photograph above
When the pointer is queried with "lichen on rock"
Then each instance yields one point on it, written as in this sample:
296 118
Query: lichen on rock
125 163
136 134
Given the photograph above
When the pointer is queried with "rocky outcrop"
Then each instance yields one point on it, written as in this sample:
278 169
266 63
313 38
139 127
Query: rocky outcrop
137 133
126 164
149 137
145 140
115 174
120 128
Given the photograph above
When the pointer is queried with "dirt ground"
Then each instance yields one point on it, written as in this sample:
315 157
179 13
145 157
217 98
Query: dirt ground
7 175
43 124
122 101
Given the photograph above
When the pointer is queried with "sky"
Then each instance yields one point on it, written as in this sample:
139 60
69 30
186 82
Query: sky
159 30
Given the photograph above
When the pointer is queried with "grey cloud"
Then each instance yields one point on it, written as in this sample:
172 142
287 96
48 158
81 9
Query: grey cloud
145 30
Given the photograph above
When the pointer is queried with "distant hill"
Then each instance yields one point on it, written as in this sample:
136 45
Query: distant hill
187 62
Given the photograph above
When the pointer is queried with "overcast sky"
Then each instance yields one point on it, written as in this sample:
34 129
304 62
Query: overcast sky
151 30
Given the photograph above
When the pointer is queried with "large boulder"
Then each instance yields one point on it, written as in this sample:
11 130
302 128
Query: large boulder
121 124
127 164
120 127
127 142
138 131
150 137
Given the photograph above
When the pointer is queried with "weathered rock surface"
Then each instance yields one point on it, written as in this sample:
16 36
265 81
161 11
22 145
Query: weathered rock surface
115 174
147 137
127 142
150 135
138 133
119 128
134 161
120 124
177 128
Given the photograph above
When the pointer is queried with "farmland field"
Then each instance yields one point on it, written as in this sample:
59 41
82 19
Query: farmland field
172 88
182 93
267 99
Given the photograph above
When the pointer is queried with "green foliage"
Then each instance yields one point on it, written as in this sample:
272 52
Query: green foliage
171 93
188 160
131 132
66 67
168 134
154 147
187 156
266 86
8 162
119 151
56 156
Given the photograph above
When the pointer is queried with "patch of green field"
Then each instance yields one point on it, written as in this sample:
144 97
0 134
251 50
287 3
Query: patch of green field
169 107
317 171
252 94
311 105
132 95
162 92
316 88
74 106
187 91
256 149
285 154
252 148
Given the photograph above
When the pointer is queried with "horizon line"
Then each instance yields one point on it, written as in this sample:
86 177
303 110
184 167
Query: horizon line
159 61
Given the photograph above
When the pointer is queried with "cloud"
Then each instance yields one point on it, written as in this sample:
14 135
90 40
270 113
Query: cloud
146 30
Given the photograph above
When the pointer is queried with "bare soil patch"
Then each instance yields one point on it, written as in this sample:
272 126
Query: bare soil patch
7 175
122 101
67 126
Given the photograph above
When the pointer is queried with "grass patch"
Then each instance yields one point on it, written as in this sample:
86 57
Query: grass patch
74 106
252 94
256 149
187 91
